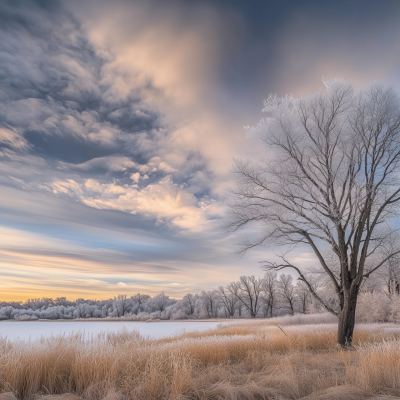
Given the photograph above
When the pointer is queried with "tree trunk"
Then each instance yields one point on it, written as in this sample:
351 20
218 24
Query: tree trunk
347 318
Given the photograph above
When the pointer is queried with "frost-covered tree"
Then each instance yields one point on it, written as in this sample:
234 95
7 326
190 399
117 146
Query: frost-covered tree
330 182
248 293
6 312
269 293
303 296
140 299
210 301
81 309
228 301
189 302
391 273
160 302
287 293
121 304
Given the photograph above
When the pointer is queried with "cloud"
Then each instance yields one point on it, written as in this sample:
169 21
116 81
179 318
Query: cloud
162 201
10 138
53 245
124 118
68 186
170 59
108 163
135 177
102 98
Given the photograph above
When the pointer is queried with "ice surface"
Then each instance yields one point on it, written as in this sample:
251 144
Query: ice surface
26 330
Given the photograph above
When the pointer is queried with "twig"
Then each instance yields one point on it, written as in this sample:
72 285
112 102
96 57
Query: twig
281 330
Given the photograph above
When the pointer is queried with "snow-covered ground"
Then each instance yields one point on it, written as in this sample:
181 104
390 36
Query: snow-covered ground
26 330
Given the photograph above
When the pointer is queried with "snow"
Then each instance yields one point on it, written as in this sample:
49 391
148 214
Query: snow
31 330
392 330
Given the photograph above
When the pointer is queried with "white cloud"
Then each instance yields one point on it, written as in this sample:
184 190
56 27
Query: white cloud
155 164
135 177
122 164
164 201
12 138
68 187
110 163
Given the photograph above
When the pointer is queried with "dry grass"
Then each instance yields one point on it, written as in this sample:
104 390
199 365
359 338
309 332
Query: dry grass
239 361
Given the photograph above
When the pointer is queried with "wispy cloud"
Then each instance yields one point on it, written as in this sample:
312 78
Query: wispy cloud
163 201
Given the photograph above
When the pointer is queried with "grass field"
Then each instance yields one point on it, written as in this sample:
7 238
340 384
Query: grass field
243 360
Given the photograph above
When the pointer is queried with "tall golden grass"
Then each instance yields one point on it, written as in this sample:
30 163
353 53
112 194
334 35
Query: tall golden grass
238 361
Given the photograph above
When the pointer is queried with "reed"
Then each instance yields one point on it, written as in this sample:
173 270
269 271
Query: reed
235 361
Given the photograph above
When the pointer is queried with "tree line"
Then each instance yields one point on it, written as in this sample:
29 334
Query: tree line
249 297
268 296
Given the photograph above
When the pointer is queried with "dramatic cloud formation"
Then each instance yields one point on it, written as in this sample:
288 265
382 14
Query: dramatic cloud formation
119 122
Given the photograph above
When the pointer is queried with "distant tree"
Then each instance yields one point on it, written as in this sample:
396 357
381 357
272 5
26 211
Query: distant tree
160 301
228 301
81 308
331 182
140 299
303 295
392 269
189 302
287 292
60 301
121 304
248 291
211 301
270 292
6 312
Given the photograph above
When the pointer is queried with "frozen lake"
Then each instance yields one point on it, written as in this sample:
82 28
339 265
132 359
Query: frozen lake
26 330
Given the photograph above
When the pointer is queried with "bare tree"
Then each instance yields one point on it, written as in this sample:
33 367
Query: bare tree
392 270
331 181
393 283
303 295
239 309
269 295
61 301
287 292
248 291
160 301
121 303
189 300
140 299
211 300
81 308
228 301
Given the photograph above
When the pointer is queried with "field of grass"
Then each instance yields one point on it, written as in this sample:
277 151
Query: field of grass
243 360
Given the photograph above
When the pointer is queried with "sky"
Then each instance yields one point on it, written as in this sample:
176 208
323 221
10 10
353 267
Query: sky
119 122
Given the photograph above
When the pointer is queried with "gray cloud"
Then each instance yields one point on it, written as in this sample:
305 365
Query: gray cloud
51 90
